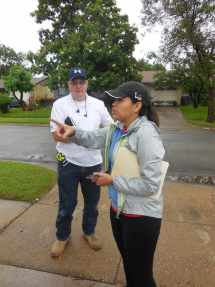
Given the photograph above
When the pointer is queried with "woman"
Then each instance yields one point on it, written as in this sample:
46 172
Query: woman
135 218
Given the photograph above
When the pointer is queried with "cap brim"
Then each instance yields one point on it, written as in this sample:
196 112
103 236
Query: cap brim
115 94
76 77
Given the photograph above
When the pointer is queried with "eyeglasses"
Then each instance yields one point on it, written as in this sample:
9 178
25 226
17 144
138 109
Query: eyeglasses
75 84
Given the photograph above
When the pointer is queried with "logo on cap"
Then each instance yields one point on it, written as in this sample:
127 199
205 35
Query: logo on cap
138 97
77 71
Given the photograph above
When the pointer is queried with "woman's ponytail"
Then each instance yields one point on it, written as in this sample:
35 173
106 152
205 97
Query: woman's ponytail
152 115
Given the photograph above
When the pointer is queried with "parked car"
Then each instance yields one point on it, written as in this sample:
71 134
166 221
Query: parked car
15 103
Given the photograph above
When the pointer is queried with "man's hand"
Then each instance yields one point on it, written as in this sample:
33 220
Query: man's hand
104 179
62 130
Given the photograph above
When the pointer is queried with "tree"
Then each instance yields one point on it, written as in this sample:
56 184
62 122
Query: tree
187 39
18 80
89 34
144 65
195 88
8 58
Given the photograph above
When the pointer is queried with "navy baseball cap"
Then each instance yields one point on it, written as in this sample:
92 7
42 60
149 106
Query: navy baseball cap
76 72
134 90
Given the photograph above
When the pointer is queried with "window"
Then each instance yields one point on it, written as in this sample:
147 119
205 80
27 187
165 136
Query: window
160 89
171 89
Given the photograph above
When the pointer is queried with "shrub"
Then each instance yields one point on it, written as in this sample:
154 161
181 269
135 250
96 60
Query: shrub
45 102
5 100
204 101
30 108
37 101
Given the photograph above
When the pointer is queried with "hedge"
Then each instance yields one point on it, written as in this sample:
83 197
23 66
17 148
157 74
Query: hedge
44 102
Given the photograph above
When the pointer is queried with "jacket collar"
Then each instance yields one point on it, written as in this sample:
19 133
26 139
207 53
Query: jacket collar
138 123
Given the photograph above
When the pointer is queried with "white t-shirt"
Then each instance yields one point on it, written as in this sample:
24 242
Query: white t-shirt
97 114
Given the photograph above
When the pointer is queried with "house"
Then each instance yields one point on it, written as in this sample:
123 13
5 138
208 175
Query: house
42 91
161 94
39 91
2 89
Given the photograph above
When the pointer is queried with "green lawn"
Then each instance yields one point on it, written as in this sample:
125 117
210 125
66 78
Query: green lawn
24 120
196 116
16 115
25 182
37 117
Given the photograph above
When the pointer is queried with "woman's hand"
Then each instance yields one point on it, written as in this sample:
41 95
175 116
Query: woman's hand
62 130
104 179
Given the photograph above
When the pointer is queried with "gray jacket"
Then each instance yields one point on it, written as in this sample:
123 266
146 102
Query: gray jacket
142 138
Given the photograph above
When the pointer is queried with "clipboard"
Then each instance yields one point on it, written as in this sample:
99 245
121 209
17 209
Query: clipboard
126 164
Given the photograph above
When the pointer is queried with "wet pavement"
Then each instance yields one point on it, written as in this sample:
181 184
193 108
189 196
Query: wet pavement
189 152
185 255
206 180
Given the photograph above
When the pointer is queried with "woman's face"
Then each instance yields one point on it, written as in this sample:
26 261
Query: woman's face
123 110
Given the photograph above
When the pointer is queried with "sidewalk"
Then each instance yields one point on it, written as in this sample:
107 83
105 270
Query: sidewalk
185 254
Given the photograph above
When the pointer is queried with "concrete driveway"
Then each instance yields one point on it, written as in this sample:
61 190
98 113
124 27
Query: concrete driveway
171 118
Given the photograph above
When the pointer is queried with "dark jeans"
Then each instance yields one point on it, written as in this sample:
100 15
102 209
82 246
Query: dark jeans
136 238
69 176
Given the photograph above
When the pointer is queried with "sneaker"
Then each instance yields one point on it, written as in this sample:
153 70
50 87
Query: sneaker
93 241
59 246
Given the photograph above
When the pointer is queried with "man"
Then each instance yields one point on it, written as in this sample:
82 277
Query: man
76 162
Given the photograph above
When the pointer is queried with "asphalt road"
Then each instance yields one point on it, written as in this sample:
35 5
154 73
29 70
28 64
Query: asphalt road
188 152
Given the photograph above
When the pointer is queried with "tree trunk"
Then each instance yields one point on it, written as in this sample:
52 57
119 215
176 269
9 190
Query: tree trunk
195 104
210 118
20 101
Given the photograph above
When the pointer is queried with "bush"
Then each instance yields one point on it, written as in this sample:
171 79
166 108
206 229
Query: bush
204 101
30 108
45 102
5 100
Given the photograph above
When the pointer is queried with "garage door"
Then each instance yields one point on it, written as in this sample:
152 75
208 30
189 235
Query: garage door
165 96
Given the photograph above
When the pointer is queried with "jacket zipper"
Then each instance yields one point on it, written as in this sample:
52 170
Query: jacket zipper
123 145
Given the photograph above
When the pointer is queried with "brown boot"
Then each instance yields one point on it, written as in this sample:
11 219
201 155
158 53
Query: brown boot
59 246
93 241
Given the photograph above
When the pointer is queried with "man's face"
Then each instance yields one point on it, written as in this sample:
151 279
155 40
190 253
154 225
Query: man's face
78 88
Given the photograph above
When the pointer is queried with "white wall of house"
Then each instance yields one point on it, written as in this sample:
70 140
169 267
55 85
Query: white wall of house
25 96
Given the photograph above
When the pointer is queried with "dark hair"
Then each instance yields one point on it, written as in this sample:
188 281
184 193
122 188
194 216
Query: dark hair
149 112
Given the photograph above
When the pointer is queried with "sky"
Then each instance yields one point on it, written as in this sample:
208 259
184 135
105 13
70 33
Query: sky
19 31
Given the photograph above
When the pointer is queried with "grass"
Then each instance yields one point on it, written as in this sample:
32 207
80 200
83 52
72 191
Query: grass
36 117
25 182
16 115
196 116
24 120
202 123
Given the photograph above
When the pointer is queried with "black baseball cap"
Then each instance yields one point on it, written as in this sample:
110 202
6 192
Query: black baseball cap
134 90
76 72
